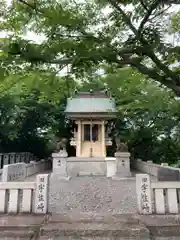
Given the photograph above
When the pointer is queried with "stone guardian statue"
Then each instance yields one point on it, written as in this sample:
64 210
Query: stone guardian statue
61 145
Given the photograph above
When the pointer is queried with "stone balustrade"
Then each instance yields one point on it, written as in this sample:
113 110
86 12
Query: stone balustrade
157 197
20 171
150 168
25 197
11 158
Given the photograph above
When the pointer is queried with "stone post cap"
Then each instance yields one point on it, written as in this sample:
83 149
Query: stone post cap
110 159
138 160
164 164
60 154
122 154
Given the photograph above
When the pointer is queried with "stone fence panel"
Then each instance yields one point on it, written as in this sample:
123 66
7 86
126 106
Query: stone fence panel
151 168
25 197
16 171
19 171
157 197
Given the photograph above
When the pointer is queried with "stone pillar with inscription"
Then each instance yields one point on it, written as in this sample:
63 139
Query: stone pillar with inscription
143 192
42 194
60 165
123 164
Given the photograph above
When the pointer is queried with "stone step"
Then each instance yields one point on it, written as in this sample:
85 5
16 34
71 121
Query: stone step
20 227
93 231
92 238
88 227
13 234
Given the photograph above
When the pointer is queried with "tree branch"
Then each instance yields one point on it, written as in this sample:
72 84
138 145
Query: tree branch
124 15
146 17
148 52
144 6
162 66
159 14
171 1
27 4
154 75
34 7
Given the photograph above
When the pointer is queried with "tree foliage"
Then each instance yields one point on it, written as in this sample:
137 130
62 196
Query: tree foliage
130 41
85 34
32 113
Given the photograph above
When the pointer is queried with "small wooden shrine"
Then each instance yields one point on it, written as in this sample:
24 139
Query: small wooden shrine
91 111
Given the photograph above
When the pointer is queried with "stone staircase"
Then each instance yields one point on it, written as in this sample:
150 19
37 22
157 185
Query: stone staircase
90 227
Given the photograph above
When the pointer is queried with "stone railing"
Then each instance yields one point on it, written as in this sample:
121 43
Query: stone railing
20 171
157 197
150 168
10 158
25 197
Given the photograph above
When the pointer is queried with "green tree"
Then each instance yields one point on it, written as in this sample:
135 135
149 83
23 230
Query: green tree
85 34
32 111
149 115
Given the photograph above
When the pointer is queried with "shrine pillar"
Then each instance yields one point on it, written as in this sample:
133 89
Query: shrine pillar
78 142
103 139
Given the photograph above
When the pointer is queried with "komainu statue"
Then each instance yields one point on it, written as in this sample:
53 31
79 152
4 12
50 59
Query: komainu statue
120 146
61 144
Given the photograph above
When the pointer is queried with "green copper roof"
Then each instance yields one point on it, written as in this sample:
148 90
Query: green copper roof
90 104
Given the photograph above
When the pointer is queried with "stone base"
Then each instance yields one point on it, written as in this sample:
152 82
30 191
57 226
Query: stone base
123 176
79 166
60 177
118 178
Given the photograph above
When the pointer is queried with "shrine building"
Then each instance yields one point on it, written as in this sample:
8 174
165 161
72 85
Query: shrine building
90 112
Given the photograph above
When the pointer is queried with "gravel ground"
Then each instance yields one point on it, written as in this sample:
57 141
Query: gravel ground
92 194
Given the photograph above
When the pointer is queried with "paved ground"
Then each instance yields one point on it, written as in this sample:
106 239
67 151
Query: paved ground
92 194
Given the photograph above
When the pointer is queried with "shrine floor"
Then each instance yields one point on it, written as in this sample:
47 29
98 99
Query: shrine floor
93 195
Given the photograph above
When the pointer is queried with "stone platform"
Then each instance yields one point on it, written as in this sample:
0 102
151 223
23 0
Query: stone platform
92 194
